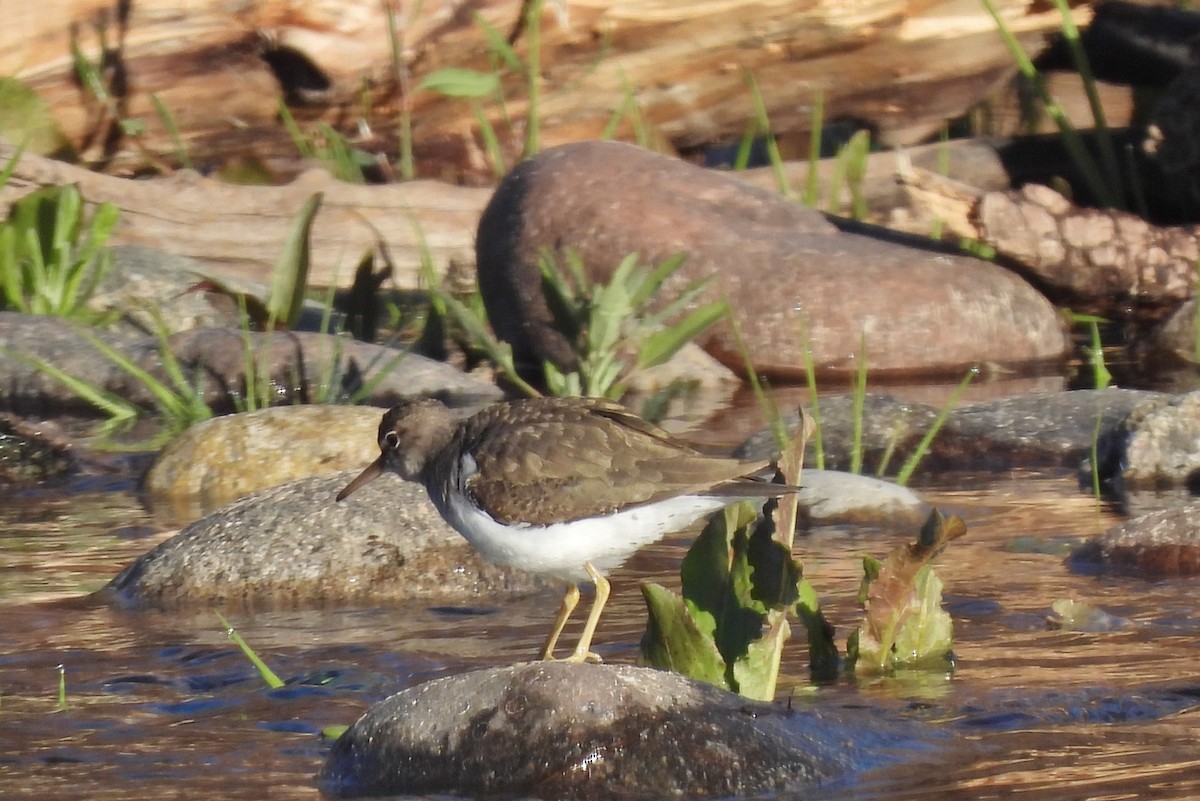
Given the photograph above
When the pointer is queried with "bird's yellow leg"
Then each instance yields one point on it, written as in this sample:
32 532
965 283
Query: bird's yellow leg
569 602
582 652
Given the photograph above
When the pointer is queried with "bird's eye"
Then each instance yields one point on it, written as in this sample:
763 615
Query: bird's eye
391 440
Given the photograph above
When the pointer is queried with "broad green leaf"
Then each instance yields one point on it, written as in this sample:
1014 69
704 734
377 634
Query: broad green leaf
904 624
757 672
460 82
675 641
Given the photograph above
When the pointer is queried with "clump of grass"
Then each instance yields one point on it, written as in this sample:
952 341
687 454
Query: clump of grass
52 256
328 147
618 334
611 326
1103 181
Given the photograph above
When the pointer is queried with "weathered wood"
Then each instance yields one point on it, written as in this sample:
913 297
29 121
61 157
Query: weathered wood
238 231
1098 260
902 66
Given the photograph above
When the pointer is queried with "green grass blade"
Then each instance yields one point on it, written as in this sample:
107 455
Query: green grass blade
116 407
662 345
533 77
764 127
812 181
498 44
1073 143
303 144
62 688
273 681
289 278
910 464
168 122
1104 140
814 404
857 401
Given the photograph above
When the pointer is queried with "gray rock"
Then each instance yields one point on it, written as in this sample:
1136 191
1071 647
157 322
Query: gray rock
1039 430
294 546
224 458
307 366
63 344
143 278
557 730
301 367
1157 444
922 311
1161 544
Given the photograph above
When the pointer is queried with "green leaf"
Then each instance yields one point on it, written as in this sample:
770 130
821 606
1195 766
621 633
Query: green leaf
498 44
665 343
757 672
675 641
460 82
289 278
904 625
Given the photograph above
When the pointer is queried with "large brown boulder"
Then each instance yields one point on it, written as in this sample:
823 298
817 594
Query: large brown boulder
781 265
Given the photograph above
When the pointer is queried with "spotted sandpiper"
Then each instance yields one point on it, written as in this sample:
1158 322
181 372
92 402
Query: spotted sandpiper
563 487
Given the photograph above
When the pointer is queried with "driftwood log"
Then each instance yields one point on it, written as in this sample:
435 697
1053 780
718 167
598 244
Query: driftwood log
902 67
1097 260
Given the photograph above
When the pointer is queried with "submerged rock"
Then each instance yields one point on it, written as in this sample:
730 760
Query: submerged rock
30 454
294 546
1162 544
780 265
556 730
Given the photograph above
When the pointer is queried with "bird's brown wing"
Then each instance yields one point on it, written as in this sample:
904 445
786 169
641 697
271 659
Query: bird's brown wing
562 462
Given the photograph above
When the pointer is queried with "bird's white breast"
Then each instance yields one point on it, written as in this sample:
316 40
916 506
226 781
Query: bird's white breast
561 549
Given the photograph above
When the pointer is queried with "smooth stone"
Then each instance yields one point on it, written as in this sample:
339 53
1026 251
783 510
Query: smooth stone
223 458
1037 430
834 497
922 311
294 546
558 730
1160 544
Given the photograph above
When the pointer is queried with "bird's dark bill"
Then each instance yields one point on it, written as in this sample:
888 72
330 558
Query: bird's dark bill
373 471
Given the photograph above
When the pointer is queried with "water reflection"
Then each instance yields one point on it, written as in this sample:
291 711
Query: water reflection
163 705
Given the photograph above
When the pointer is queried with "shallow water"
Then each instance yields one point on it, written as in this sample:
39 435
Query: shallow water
164 705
